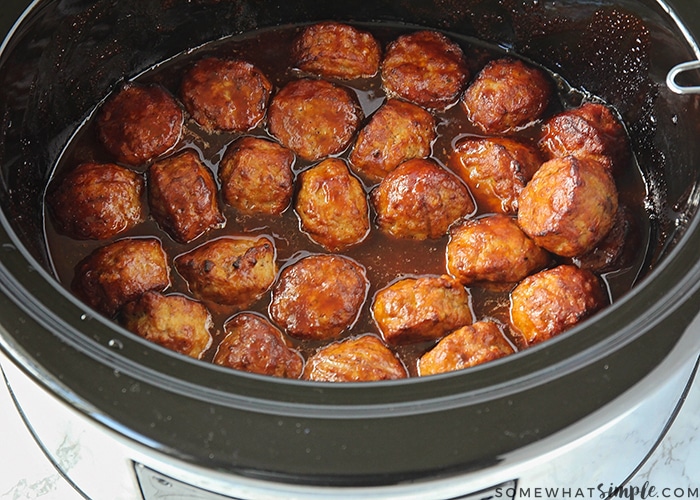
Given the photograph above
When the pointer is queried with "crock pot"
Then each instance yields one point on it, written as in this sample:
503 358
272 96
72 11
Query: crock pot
61 57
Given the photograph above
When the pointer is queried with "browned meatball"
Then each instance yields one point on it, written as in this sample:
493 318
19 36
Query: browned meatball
139 123
256 176
230 271
547 303
506 95
359 359
119 272
314 118
182 195
420 200
172 321
332 205
496 170
254 345
418 309
319 297
468 346
225 94
492 249
426 68
97 201
336 50
398 131
568 206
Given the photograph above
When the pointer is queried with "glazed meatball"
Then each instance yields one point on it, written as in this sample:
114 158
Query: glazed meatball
591 130
140 123
254 345
568 206
225 94
549 302
492 249
506 95
397 131
425 68
468 346
314 118
332 205
336 50
182 196
256 176
97 201
420 200
419 309
319 297
496 170
120 272
172 321
230 271
360 359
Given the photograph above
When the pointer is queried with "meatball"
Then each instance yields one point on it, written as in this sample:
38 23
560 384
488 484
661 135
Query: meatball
425 68
225 94
506 95
332 205
139 123
230 271
182 196
492 249
359 359
397 131
591 130
120 272
568 206
254 345
496 170
97 201
419 309
468 346
256 176
172 321
314 118
336 50
549 302
420 200
319 297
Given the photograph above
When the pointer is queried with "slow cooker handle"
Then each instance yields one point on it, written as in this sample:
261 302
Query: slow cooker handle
677 70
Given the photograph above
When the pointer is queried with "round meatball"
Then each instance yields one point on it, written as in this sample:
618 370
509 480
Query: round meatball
254 345
420 309
225 94
120 272
492 249
496 170
336 50
468 346
139 123
182 196
397 131
359 359
97 201
425 68
172 321
549 302
319 297
256 176
506 95
420 200
332 205
230 271
568 206
314 118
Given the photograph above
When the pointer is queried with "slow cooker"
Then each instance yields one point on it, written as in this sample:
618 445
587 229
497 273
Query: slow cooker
446 435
